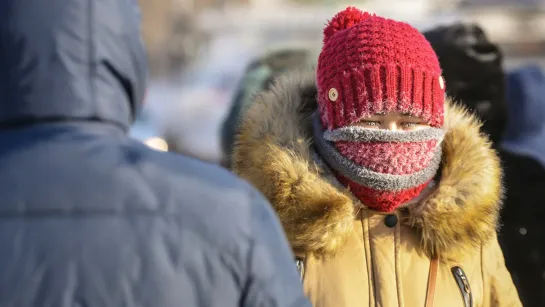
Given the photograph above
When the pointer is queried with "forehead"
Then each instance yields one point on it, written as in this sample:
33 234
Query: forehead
397 114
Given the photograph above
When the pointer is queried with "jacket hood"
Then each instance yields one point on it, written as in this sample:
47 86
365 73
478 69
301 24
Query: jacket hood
525 134
274 152
70 60
473 69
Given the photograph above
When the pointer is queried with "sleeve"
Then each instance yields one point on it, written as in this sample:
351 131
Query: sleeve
273 279
499 289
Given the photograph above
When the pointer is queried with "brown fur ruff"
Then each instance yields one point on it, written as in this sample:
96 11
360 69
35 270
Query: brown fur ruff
274 152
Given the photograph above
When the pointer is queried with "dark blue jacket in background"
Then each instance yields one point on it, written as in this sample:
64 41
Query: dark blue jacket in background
91 218
522 151
525 134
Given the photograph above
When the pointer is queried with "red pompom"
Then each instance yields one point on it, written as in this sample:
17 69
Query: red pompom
344 20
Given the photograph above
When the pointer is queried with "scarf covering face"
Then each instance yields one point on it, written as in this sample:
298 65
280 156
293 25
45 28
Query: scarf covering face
384 169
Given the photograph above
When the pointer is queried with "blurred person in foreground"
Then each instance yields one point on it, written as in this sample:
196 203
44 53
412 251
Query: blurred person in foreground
90 217
388 193
259 76
473 71
523 153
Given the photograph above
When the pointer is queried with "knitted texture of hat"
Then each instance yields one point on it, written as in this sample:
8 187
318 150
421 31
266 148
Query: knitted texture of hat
370 65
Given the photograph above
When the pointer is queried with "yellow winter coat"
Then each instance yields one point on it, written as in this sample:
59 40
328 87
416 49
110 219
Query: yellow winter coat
352 256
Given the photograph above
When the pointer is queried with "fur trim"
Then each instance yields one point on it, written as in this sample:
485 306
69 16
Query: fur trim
274 152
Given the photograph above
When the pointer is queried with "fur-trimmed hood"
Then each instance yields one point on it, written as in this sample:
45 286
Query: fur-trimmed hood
274 152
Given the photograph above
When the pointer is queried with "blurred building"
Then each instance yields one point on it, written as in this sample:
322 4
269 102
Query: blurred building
517 25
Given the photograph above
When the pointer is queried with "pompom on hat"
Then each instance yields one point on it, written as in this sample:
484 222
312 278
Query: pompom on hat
370 64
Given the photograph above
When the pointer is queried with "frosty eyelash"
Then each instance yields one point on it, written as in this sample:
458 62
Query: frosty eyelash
371 123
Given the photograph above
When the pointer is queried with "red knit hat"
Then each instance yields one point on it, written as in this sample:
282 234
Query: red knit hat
370 65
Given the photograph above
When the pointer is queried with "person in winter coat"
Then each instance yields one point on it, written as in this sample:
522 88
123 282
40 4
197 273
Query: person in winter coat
522 236
90 217
473 70
388 193
259 76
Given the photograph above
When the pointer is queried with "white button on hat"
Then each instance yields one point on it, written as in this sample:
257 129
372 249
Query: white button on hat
333 94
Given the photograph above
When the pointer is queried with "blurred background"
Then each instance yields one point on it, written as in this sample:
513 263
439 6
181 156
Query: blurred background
199 51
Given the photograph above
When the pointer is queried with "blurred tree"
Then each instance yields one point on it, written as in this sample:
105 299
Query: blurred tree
155 30
170 33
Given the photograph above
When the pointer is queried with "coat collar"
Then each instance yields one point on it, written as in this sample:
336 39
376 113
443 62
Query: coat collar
274 152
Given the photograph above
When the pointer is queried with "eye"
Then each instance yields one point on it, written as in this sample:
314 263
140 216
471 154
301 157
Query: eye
370 123
410 125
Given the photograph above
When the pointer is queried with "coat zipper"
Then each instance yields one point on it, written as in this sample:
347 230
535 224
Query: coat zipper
463 284
300 263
